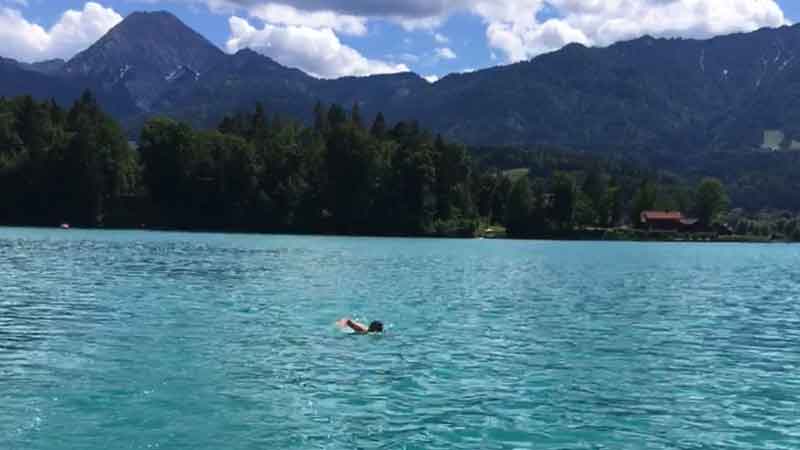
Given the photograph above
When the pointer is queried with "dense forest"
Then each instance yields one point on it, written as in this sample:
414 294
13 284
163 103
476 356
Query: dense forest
346 174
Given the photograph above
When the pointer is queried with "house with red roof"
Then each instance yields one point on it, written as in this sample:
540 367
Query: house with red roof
667 221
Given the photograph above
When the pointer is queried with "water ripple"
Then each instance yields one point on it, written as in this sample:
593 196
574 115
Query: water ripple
143 340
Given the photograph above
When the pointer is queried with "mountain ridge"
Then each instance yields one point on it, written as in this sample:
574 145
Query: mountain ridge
671 94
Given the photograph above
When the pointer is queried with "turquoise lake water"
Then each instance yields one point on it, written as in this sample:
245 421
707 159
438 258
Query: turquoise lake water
144 340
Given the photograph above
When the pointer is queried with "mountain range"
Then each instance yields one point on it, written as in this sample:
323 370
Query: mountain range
736 92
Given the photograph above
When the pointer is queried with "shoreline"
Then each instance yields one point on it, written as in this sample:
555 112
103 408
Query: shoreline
574 236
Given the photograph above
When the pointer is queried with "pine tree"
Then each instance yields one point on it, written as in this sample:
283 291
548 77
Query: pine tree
336 116
355 116
520 207
564 200
378 129
644 199
258 124
320 118
594 187
33 126
711 200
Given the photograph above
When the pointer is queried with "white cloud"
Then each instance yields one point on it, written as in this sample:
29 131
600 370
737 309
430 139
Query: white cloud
431 78
418 23
315 51
280 14
510 11
445 53
73 32
515 30
440 38
512 26
520 42
409 9
606 23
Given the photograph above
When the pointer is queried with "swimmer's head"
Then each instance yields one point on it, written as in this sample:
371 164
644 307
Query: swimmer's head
375 327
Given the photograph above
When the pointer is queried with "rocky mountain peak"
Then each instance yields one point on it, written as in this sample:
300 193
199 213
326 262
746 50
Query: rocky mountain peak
144 52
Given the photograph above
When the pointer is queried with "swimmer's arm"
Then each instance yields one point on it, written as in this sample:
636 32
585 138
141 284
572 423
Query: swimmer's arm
355 326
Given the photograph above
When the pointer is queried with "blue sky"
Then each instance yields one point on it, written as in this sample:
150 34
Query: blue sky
331 38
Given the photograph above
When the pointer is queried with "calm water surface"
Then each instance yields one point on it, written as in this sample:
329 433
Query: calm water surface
141 340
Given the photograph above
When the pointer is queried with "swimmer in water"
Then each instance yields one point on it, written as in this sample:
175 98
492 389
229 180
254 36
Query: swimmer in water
360 328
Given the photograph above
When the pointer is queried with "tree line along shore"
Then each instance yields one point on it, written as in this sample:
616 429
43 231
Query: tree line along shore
345 174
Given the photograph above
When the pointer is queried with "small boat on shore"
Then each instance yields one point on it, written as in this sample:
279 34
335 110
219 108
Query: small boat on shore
64 226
